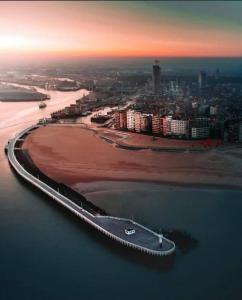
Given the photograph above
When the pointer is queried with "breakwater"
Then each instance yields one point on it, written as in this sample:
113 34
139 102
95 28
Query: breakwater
143 239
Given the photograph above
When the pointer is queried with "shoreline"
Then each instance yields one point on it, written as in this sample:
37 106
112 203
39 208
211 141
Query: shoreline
85 156
172 184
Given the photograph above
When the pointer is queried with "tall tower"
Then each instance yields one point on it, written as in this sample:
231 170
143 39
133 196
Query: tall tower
202 79
156 77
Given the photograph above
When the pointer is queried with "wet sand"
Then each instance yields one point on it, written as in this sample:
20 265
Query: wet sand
71 154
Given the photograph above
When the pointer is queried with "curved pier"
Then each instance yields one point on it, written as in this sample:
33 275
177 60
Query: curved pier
144 239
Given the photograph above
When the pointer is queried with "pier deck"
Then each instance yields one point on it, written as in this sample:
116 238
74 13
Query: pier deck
143 239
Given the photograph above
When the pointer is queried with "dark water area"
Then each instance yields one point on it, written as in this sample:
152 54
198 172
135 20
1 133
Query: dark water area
47 253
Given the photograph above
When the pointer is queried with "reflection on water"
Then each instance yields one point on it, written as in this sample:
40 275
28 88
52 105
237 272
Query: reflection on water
183 240
15 116
101 194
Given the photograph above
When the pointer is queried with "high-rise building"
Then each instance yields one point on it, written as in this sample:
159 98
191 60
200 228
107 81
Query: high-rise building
166 121
145 122
156 124
200 128
137 121
180 128
202 79
120 119
116 120
156 77
130 119
123 119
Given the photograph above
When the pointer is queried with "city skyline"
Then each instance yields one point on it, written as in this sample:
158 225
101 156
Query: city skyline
119 29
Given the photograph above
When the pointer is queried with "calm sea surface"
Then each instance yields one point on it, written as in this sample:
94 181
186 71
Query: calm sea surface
46 253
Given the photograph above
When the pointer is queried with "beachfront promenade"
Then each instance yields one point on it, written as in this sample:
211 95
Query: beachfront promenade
143 239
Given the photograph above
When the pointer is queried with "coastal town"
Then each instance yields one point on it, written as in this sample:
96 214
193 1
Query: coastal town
179 108
142 111
152 102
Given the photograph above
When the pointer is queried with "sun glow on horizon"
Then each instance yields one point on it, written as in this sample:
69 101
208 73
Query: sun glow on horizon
17 42
75 29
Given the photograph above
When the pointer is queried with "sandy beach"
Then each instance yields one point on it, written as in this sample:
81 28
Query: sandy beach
141 140
72 154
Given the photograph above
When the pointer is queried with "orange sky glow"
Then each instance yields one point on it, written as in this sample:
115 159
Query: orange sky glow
76 29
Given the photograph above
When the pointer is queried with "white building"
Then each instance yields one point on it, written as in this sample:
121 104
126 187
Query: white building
137 121
156 124
131 120
166 124
180 128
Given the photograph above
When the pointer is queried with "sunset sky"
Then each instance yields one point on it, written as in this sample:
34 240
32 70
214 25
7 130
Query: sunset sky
76 29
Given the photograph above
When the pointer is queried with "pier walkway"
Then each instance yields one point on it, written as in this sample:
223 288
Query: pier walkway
143 239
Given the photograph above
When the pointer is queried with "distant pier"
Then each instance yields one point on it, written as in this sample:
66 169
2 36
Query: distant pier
124 231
